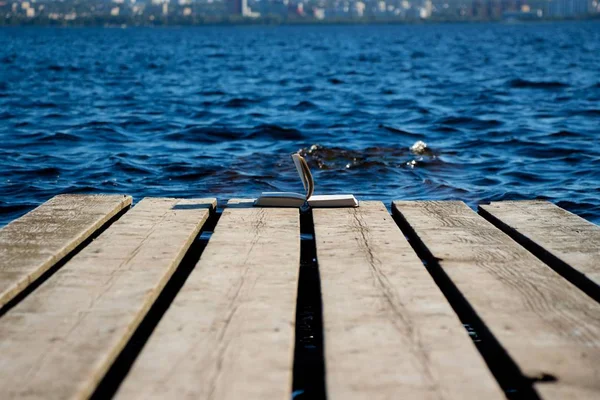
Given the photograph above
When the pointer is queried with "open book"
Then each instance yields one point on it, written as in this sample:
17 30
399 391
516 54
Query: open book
289 199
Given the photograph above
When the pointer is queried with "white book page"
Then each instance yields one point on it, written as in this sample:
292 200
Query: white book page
280 199
331 197
280 195
333 200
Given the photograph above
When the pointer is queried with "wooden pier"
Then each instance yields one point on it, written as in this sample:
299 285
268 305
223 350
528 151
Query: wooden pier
174 299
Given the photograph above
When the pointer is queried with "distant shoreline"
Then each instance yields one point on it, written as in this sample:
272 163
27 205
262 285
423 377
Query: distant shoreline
124 22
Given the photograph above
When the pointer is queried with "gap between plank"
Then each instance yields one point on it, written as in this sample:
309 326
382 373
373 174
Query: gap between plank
578 279
109 385
309 360
514 384
58 265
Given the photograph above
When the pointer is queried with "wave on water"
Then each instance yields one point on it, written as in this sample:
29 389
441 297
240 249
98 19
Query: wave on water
202 134
276 132
470 122
61 68
399 131
331 158
241 102
529 84
59 137
305 105
216 134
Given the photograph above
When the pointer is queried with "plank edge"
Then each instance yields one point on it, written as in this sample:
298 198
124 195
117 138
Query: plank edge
11 295
575 277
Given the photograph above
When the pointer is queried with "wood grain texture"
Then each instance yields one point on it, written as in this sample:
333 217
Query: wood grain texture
229 333
32 244
60 340
553 232
389 331
546 325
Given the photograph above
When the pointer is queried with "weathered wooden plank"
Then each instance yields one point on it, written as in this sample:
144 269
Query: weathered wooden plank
556 236
389 331
229 333
32 244
546 325
61 339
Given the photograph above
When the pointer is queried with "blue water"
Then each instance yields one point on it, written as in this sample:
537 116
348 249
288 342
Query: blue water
506 111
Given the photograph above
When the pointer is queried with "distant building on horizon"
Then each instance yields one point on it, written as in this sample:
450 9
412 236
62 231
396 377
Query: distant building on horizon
238 7
567 8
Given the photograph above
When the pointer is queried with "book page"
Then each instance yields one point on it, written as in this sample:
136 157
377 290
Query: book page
309 178
280 199
331 197
304 173
300 170
332 200
291 195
